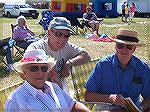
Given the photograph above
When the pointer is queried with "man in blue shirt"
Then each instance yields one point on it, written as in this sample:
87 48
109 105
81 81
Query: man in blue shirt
120 75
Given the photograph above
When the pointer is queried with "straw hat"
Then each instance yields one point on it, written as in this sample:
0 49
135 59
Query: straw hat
127 36
34 56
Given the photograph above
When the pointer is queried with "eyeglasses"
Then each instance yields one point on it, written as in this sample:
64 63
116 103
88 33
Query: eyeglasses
37 68
60 34
120 46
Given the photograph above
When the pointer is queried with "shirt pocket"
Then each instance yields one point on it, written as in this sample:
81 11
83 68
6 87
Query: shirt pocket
136 89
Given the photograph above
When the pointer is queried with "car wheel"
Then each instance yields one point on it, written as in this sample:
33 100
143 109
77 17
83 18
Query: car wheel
21 14
8 15
3 15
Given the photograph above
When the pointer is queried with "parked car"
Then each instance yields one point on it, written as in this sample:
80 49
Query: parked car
16 10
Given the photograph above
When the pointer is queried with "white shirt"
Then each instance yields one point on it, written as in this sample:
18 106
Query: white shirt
29 99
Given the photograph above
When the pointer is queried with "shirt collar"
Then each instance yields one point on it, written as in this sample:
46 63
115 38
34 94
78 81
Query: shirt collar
34 91
116 61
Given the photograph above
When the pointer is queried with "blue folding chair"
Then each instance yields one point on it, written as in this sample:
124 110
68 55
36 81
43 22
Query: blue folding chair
47 16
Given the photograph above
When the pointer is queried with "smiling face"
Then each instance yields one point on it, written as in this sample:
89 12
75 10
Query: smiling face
57 39
36 74
124 52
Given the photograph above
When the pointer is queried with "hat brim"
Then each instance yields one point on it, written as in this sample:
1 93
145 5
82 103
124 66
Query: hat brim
18 65
126 42
62 28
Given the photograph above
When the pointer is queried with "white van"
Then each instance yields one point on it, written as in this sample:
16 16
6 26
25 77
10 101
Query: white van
16 10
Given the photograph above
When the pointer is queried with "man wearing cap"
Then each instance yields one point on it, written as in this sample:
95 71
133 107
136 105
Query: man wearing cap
36 94
120 75
58 47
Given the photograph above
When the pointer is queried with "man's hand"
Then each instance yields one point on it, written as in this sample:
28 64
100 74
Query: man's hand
117 99
65 71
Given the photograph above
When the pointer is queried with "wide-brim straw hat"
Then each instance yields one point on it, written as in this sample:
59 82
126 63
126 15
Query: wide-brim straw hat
127 36
35 56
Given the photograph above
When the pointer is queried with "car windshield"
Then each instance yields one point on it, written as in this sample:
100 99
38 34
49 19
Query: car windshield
25 6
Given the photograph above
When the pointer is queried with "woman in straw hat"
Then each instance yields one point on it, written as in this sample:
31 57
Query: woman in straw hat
36 94
120 75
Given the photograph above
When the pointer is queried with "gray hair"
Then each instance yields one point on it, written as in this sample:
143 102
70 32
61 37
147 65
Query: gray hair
20 18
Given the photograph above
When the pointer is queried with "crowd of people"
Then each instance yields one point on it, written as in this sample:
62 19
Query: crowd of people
47 62
128 11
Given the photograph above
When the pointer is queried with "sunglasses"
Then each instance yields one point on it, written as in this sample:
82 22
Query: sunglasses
60 34
37 68
120 46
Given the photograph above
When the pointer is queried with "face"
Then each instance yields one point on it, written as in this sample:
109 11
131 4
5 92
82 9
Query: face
88 10
36 74
21 22
124 52
57 39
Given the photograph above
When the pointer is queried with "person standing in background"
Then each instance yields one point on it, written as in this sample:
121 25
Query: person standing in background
123 10
126 12
132 11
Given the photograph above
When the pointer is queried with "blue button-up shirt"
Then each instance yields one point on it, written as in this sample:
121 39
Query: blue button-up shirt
109 77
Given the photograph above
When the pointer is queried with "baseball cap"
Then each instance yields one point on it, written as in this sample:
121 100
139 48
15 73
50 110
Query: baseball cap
60 23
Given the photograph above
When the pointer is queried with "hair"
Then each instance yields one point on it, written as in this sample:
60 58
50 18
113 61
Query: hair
89 7
20 18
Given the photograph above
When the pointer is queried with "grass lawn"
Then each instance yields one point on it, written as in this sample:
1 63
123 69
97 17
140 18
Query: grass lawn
109 26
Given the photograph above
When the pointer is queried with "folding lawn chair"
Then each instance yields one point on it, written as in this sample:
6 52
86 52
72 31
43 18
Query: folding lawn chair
18 52
47 16
4 44
79 75
87 27
75 23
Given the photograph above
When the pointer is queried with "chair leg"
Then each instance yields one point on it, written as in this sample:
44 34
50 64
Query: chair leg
19 52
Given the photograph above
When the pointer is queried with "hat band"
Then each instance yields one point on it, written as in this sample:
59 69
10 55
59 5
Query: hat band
127 38
31 58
